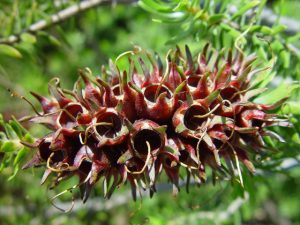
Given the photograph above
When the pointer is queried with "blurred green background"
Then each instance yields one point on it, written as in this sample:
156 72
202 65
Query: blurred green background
90 39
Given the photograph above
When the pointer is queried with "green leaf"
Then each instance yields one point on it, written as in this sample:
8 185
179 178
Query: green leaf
184 34
29 38
217 18
294 38
1 120
165 12
291 107
53 40
254 28
10 51
278 29
153 6
20 156
245 8
296 138
234 33
2 137
266 79
262 53
277 46
9 146
14 152
18 128
28 138
252 93
285 59
206 5
16 170
10 132
276 94
266 30
265 76
2 163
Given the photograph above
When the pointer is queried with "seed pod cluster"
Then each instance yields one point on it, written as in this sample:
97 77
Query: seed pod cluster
191 114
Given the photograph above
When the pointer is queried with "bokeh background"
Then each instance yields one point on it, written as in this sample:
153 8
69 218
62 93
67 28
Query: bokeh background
90 39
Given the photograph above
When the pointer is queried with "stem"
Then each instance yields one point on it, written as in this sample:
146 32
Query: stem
61 16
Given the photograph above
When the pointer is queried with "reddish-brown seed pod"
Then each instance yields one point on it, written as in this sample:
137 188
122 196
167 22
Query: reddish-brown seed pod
134 127
146 137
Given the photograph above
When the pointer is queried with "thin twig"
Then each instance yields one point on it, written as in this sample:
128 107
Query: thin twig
62 16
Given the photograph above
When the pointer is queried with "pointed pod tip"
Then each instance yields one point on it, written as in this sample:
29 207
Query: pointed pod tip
189 57
102 82
37 96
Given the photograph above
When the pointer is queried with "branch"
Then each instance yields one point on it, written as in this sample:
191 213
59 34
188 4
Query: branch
62 16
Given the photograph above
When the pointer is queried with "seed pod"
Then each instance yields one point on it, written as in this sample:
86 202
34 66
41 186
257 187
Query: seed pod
193 114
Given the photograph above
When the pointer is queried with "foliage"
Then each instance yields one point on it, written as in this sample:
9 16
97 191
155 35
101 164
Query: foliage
228 24
12 152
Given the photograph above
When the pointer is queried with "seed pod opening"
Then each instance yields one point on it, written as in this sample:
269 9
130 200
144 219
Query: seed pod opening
230 93
141 138
152 92
193 117
112 126
193 81
67 118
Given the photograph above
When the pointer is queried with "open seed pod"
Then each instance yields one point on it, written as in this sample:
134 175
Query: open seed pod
193 114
